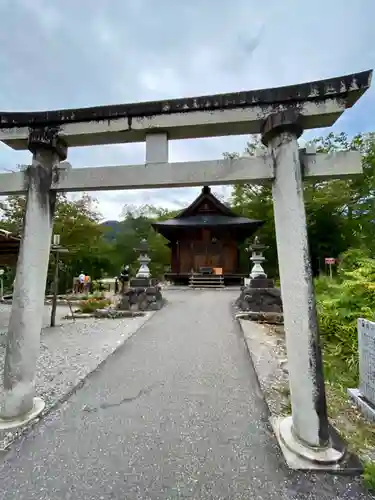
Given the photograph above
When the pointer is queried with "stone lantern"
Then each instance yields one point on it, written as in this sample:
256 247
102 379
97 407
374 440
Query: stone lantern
259 298
143 275
257 259
143 259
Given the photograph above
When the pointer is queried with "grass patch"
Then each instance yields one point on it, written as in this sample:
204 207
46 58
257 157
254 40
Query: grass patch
369 475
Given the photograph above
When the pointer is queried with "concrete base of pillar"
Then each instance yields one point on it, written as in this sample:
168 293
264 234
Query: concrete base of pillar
38 407
301 457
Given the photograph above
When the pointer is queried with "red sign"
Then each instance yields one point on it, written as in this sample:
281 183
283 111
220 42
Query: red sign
330 260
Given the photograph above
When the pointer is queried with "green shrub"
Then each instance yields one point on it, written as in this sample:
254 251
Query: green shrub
340 303
352 259
351 295
369 475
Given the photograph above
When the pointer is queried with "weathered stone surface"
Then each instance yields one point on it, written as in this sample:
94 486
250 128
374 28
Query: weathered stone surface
140 282
124 303
266 300
261 283
116 313
156 306
144 298
78 315
272 318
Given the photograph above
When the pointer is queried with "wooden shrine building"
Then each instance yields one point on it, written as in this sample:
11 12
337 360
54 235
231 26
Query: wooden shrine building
205 238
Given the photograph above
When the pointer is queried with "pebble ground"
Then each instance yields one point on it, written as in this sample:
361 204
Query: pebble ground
176 413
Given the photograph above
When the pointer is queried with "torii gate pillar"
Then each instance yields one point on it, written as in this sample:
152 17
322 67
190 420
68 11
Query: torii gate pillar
306 432
18 403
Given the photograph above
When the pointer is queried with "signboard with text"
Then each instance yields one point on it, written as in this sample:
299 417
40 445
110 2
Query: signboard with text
330 260
366 348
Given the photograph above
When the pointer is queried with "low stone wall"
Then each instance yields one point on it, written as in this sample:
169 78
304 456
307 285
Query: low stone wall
141 299
262 317
109 313
261 304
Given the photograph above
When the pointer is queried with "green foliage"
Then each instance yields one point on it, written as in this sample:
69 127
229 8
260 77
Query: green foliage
339 212
77 222
340 303
135 226
369 475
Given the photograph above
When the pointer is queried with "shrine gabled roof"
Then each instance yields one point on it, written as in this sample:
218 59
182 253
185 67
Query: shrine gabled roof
204 197
240 227
217 215
203 220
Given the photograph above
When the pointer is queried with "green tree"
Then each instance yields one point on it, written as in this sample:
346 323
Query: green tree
339 212
78 223
135 226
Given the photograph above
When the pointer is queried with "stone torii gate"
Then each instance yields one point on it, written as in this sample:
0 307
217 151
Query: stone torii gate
280 115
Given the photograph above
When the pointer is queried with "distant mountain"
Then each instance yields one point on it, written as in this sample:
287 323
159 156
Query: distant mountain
112 228
111 223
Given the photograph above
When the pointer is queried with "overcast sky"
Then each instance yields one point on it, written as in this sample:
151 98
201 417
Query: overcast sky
76 53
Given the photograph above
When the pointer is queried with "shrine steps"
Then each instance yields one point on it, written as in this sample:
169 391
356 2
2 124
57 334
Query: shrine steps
206 281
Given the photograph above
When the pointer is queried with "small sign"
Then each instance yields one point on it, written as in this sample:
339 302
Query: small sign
330 260
56 239
366 347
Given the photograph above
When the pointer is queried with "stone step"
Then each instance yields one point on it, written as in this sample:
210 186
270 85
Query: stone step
207 286
207 278
215 283
206 281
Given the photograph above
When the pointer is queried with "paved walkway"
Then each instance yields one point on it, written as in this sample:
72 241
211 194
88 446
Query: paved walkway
175 413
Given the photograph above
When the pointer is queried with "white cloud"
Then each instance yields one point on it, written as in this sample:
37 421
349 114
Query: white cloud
70 54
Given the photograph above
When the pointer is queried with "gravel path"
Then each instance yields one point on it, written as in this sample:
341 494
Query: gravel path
68 353
5 313
176 413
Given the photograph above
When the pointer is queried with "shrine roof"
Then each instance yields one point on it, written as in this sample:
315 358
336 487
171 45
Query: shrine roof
240 227
206 196
202 220
206 211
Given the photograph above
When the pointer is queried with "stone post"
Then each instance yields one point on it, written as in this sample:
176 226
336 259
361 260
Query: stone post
18 404
306 432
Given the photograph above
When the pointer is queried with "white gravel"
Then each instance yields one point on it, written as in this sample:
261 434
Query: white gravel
68 353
